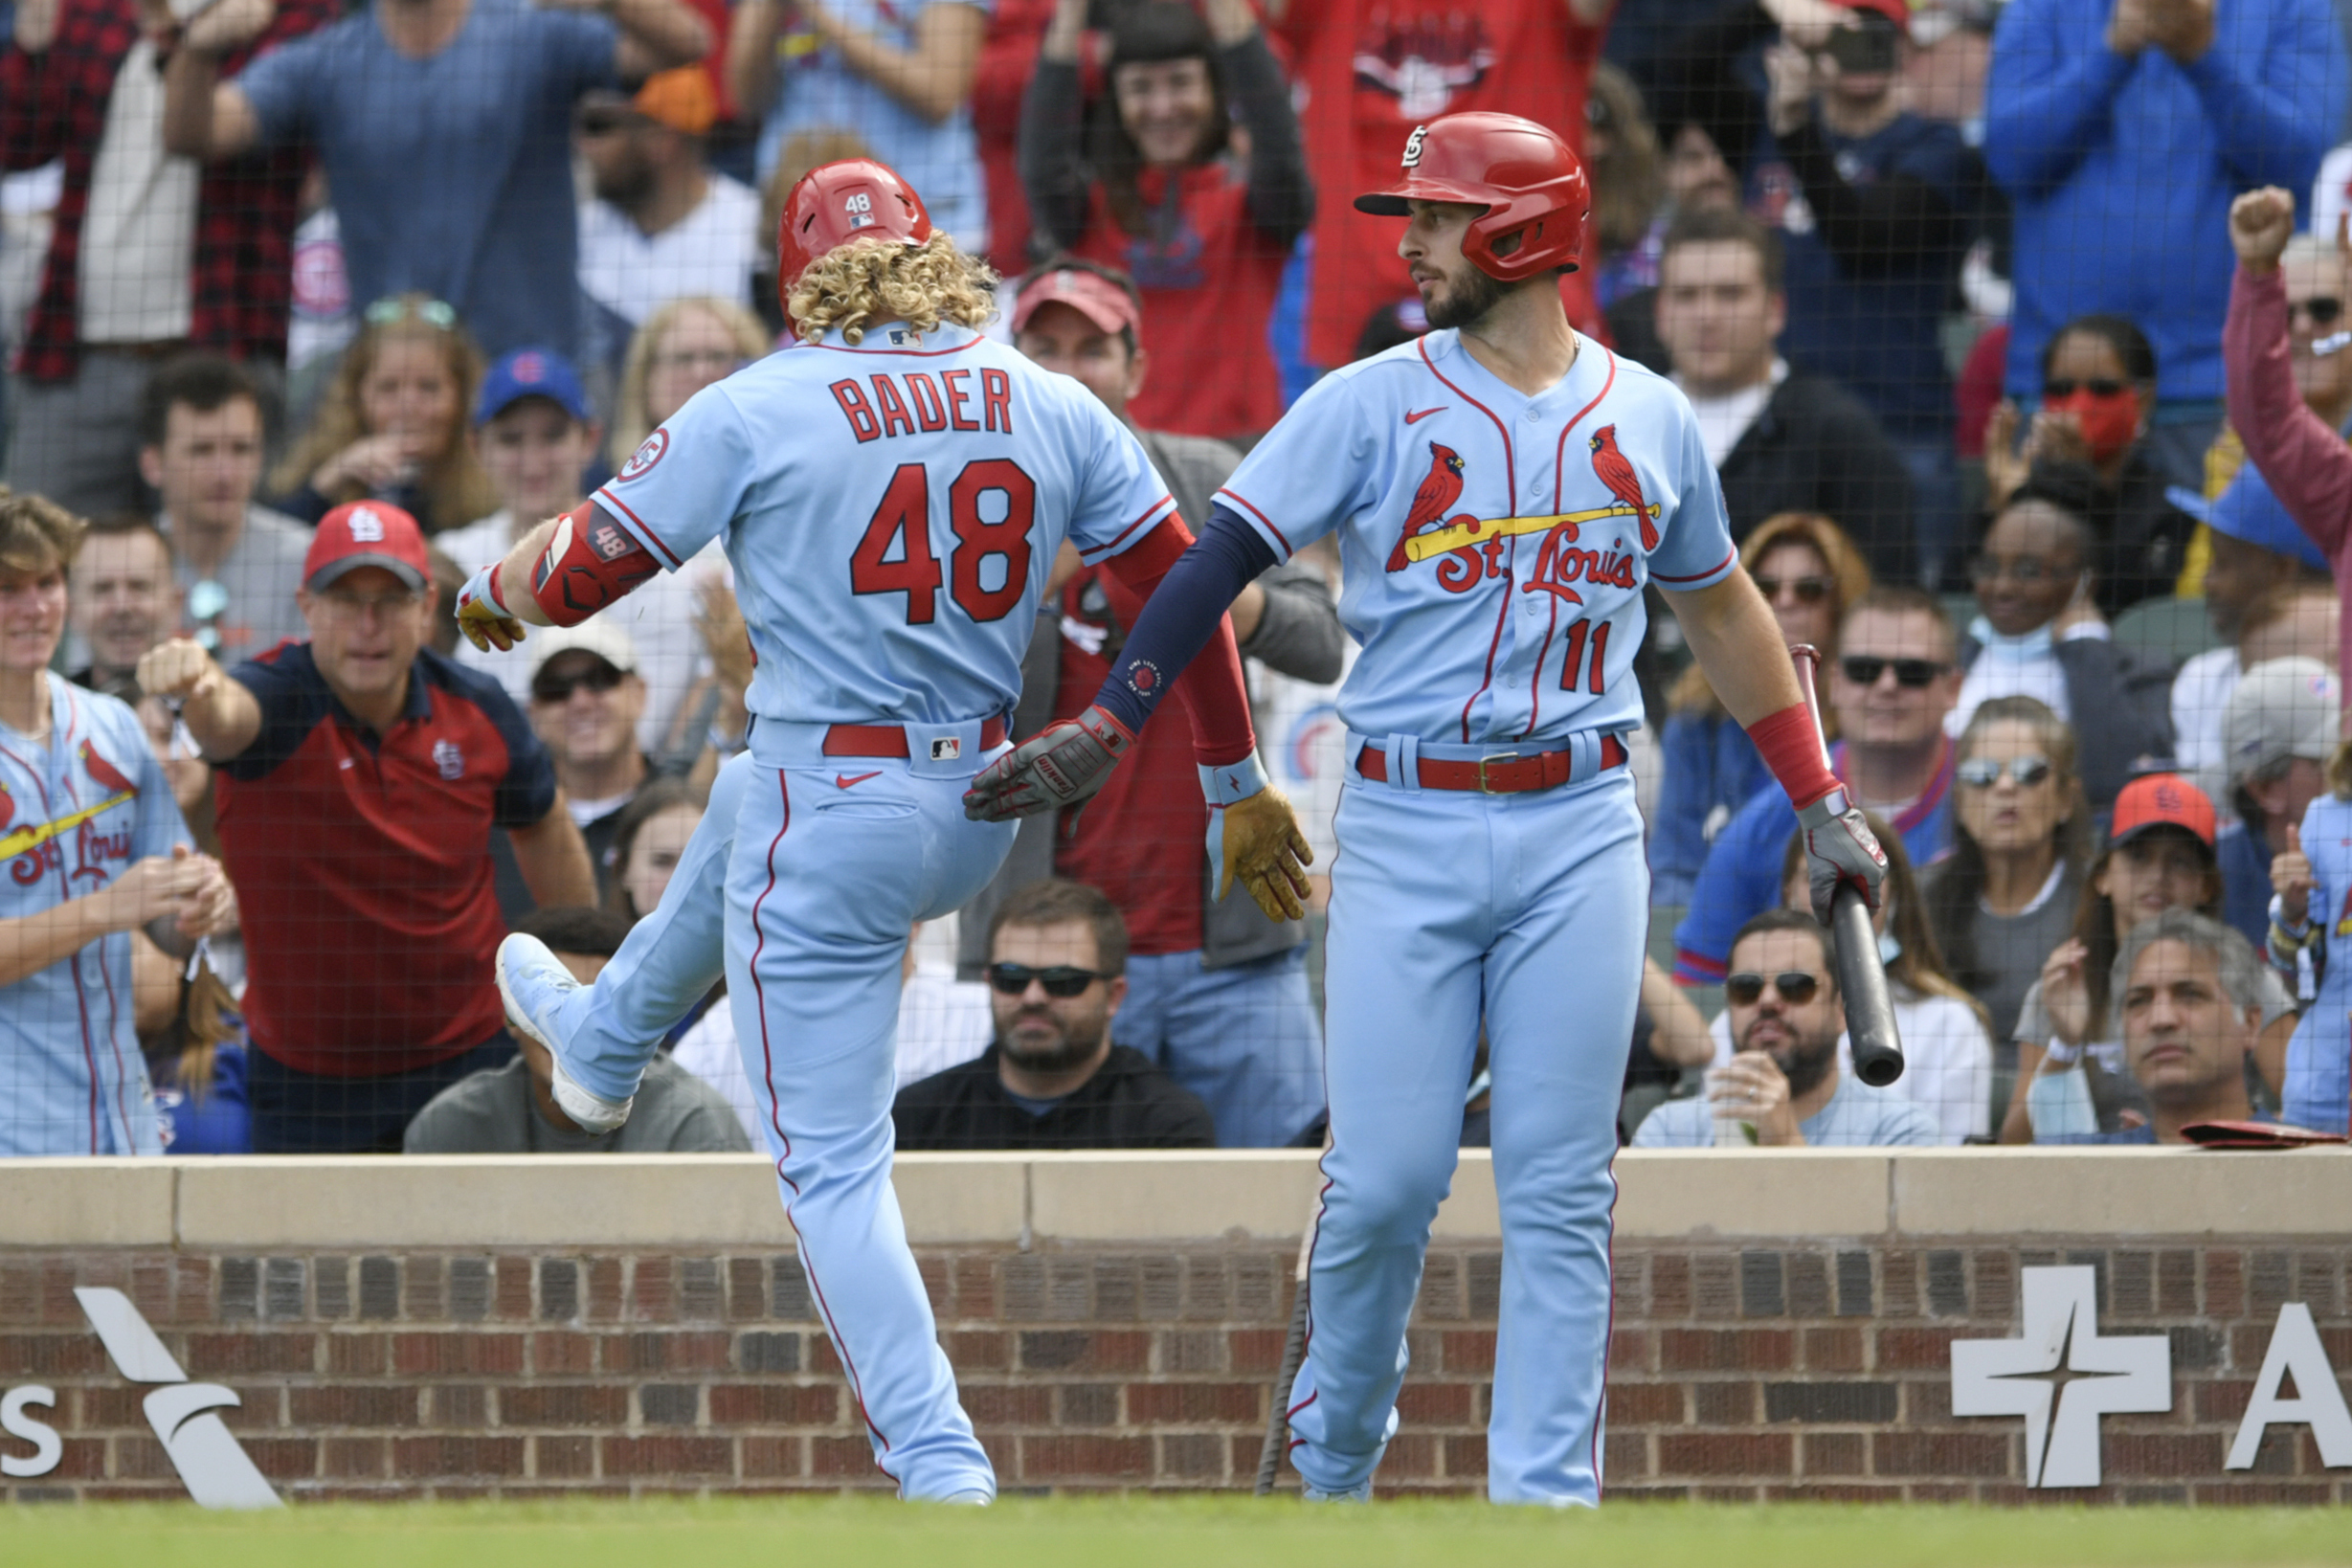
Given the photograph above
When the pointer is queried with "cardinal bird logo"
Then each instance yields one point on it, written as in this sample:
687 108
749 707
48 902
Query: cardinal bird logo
108 777
8 806
1613 470
1435 498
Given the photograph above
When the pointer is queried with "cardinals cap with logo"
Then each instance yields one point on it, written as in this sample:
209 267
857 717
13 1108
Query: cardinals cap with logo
1090 294
530 372
367 533
2161 800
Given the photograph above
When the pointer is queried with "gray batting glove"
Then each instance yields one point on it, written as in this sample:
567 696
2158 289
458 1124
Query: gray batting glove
1060 766
1839 848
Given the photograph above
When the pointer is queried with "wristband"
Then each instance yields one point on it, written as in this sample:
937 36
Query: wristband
2298 933
489 591
1230 783
1789 742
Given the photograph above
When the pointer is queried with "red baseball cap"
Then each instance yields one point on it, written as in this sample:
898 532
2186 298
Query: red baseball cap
367 533
1898 12
1091 295
2161 800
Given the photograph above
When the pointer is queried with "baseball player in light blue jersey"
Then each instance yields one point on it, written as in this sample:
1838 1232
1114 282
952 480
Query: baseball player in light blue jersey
94 849
891 493
1502 490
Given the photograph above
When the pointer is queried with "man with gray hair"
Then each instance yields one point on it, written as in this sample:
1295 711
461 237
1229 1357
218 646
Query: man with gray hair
2278 733
2189 990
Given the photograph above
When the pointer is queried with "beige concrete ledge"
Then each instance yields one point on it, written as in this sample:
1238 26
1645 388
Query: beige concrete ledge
729 1201
85 1202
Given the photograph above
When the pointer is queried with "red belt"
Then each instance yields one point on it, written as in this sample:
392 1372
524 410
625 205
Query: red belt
1506 772
889 740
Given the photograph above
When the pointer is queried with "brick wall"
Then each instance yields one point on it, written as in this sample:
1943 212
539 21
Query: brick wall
1764 1370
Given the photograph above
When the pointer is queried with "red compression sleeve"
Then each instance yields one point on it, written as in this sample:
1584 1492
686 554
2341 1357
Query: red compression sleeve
1790 741
1211 689
591 562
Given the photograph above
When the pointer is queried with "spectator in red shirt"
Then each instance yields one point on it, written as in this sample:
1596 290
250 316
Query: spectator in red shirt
147 253
1217 993
1008 58
1375 69
359 777
1165 189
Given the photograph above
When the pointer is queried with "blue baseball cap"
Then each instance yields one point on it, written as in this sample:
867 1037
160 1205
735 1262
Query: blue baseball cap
2250 512
532 372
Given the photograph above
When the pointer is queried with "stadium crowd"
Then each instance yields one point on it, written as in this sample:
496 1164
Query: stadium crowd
2027 414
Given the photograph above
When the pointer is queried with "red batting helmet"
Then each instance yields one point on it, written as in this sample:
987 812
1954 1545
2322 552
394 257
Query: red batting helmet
836 203
1528 180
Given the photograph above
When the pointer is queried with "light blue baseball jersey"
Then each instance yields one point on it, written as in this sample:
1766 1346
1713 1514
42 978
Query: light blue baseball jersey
891 511
75 815
1494 546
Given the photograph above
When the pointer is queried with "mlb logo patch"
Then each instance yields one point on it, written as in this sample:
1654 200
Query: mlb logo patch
947 748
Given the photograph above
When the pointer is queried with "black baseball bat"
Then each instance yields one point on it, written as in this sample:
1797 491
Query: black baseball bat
1862 978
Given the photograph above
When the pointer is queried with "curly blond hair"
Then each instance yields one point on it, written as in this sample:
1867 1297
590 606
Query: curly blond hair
868 282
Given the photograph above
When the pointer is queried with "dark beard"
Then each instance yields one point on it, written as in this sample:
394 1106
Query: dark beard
1072 1053
1805 1066
1466 301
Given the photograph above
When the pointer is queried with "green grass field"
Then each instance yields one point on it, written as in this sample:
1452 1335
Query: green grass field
1176 1532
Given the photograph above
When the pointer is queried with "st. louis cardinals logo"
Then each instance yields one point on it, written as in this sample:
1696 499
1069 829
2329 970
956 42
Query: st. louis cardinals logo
1412 146
1472 547
38 848
647 454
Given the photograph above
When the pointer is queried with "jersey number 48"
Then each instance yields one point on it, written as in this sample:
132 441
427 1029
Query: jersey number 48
902 523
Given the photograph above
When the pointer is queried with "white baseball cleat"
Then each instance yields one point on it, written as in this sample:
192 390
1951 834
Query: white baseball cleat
533 982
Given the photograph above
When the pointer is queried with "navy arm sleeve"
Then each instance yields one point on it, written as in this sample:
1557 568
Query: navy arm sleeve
1183 613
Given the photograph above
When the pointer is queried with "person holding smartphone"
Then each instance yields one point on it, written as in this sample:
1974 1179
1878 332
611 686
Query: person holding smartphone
1873 205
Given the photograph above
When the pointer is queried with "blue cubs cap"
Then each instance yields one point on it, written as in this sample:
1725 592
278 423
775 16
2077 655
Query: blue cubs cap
532 372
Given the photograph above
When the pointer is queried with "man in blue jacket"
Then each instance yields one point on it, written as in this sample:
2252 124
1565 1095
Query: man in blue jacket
1893 683
2120 135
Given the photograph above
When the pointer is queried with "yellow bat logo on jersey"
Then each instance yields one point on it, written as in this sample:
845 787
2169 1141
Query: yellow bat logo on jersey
34 835
1423 547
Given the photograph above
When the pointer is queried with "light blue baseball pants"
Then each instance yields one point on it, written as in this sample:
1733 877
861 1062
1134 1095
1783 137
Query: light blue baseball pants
825 862
1528 912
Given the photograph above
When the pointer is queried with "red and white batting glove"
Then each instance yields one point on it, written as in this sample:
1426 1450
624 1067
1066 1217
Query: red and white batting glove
1060 766
1839 848
483 616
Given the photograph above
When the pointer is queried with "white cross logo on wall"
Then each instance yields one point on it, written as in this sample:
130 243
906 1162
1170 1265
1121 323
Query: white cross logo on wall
2062 1376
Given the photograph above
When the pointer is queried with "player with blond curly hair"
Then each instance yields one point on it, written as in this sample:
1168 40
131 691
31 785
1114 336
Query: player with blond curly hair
892 492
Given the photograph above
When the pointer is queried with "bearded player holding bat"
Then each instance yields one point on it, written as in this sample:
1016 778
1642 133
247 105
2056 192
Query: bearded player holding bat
1503 489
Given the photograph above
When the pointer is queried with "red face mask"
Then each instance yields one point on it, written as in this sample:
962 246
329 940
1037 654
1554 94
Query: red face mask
2108 424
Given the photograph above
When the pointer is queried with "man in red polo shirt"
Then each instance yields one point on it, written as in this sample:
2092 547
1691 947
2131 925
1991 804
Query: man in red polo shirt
360 774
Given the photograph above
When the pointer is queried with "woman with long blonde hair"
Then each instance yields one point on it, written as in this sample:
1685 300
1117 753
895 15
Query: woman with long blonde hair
682 347
392 424
1809 573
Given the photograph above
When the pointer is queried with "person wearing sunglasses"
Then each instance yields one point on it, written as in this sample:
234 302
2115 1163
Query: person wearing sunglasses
1809 571
585 698
2040 635
1783 1089
536 438
1888 692
2021 848
664 225
1052 1080
2301 456
2098 401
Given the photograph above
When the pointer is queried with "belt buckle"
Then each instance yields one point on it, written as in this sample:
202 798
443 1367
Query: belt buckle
1484 788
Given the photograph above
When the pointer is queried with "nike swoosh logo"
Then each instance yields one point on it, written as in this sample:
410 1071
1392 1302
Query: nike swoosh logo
844 781
1417 419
